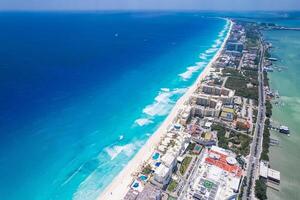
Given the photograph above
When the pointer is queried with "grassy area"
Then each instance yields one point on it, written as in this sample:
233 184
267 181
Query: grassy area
147 170
266 142
208 184
172 186
251 43
260 189
171 198
255 112
221 131
172 143
231 72
241 144
240 86
252 33
238 81
191 147
251 76
268 109
267 54
185 164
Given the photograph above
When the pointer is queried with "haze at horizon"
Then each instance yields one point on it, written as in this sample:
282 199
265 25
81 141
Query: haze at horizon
226 5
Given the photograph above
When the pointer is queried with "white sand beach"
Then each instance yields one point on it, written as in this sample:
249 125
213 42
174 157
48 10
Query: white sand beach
120 185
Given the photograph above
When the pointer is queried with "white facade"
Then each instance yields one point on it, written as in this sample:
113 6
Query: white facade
169 160
162 174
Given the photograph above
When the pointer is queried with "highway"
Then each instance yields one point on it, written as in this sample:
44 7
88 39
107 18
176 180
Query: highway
256 146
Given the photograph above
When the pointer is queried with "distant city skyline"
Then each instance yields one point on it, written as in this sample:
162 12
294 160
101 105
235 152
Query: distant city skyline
225 5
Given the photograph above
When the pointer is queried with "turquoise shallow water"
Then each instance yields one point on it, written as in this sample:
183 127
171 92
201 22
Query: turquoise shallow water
82 92
285 157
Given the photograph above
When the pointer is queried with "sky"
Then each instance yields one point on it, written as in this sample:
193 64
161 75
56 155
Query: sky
230 5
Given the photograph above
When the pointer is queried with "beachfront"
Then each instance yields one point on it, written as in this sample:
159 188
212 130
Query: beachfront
121 184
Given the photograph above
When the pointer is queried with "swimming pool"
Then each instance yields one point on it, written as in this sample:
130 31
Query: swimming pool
135 185
143 177
156 156
157 164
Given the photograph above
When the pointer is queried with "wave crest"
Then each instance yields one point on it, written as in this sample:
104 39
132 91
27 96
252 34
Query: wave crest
143 121
163 102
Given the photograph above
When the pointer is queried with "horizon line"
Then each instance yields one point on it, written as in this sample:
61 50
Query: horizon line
146 10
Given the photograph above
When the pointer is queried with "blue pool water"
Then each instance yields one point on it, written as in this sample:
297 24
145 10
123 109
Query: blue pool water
157 164
156 156
135 185
82 92
143 177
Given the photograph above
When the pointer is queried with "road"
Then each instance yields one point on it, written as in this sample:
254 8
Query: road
192 176
256 146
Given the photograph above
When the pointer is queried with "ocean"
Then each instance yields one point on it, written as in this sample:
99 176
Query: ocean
81 92
285 157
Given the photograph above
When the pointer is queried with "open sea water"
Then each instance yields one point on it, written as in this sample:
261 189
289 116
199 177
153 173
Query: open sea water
285 157
80 93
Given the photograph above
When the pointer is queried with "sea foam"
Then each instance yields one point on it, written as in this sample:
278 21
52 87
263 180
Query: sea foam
143 121
114 151
191 70
163 103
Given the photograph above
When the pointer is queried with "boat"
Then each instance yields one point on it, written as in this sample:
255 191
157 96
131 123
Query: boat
284 130
272 59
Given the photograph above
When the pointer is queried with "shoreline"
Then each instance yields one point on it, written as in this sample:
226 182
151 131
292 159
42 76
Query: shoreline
118 188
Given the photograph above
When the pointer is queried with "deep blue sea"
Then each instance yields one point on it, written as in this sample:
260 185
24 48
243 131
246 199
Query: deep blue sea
80 93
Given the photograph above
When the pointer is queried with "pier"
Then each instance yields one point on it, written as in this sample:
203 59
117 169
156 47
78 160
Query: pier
270 176
274 142
280 129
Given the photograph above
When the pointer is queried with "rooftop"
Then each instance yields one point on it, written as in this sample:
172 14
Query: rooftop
150 192
274 174
221 161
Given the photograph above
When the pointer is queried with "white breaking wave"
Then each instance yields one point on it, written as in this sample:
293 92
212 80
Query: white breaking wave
211 50
163 103
222 33
219 41
165 89
114 151
143 121
121 137
203 56
190 70
89 188
188 74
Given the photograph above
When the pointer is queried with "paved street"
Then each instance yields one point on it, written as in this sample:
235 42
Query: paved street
256 147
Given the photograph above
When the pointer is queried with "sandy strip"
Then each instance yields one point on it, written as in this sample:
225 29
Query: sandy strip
120 185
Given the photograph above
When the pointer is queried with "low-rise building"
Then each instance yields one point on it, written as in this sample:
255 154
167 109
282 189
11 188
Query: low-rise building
218 178
227 114
150 192
268 174
242 124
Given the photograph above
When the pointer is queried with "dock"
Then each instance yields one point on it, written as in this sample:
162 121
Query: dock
270 176
274 142
280 129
